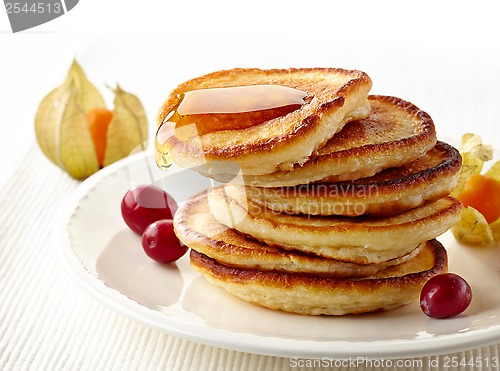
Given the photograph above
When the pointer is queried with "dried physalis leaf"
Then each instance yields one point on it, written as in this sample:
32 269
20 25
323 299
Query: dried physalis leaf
61 126
87 95
471 165
474 154
473 144
74 129
472 228
494 171
48 121
76 148
495 230
475 189
128 128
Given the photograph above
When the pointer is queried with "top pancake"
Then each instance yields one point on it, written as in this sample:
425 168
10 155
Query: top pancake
397 132
334 97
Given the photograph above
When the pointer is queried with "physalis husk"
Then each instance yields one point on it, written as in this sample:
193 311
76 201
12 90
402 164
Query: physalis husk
473 227
62 127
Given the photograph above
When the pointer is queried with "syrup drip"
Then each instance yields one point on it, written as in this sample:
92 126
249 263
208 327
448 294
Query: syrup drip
162 155
232 108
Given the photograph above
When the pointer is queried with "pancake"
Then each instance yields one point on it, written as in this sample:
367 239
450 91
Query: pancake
397 132
197 228
334 97
388 289
361 240
392 191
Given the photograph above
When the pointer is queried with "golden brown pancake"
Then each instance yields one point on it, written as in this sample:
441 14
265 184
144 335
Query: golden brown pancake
391 288
334 199
334 97
397 132
361 240
197 228
392 191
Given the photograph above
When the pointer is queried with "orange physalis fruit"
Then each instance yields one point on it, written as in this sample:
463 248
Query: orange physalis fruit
99 119
483 194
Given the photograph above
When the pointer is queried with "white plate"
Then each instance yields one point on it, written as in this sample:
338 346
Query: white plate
106 258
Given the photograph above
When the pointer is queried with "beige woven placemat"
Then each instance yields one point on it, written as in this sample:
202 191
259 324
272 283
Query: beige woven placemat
48 323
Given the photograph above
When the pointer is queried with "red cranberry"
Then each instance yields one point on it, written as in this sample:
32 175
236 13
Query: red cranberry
445 295
145 204
160 242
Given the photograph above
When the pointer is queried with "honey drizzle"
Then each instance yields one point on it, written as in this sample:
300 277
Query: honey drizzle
230 108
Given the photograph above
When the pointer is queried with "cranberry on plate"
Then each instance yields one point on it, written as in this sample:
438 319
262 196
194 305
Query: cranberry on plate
160 242
445 295
146 204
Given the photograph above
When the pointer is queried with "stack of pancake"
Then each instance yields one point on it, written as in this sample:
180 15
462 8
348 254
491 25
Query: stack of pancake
332 208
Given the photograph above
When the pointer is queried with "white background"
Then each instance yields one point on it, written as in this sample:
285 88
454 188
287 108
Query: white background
443 56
